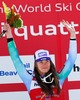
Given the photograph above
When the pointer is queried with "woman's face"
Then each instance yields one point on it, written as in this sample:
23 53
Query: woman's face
43 66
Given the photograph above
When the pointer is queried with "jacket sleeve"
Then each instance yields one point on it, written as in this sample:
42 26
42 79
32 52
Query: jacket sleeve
69 63
19 66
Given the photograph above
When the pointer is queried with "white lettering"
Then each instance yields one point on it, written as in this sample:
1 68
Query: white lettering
1 9
63 7
78 6
75 25
32 9
25 34
38 33
58 6
62 28
20 8
49 30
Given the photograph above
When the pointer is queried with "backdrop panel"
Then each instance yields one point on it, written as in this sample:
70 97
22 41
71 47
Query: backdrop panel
42 29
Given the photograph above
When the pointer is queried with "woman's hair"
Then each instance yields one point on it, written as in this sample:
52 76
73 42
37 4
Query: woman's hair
47 88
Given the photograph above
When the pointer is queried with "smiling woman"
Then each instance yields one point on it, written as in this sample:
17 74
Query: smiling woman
45 83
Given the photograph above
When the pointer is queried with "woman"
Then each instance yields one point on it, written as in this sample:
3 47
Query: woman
45 83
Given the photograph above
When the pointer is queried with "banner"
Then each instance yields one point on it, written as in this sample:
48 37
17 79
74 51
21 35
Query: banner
42 29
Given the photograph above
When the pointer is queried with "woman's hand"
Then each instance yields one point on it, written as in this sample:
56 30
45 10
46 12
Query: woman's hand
70 28
8 30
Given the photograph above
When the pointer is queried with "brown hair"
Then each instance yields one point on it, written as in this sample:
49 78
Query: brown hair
47 88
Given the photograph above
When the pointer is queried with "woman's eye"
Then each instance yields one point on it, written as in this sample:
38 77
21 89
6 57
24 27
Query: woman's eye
40 62
47 60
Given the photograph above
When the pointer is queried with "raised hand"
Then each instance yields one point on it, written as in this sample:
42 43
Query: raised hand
70 28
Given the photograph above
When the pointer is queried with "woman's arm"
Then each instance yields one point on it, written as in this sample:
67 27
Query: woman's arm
26 78
72 54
